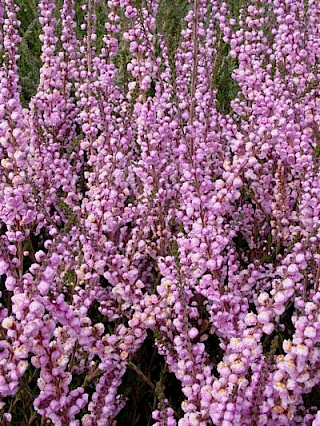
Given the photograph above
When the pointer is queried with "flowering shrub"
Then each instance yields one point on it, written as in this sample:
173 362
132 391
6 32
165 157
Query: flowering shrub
152 234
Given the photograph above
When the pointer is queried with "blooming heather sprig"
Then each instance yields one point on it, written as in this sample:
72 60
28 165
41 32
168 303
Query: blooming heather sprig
185 355
132 210
164 414
16 201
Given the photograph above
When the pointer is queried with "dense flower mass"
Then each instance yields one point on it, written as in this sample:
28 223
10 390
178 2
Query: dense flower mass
137 216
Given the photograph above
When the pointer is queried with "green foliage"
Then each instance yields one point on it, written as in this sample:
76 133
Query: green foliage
234 7
170 23
30 49
227 88
72 218
175 252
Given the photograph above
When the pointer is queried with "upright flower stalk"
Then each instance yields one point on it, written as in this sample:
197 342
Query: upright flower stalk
135 212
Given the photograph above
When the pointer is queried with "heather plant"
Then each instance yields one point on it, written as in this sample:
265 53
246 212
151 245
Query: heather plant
159 212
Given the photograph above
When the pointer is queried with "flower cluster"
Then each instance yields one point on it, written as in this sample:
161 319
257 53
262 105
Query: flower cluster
133 209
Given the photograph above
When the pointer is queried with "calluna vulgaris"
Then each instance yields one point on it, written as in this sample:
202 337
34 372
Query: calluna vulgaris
135 209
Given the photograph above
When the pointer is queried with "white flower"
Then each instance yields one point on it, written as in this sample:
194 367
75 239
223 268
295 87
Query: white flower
7 323
279 297
264 317
251 319
43 288
292 269
268 328
301 350
193 333
21 351
287 345
22 366
287 283
280 386
63 361
238 366
310 332
263 298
